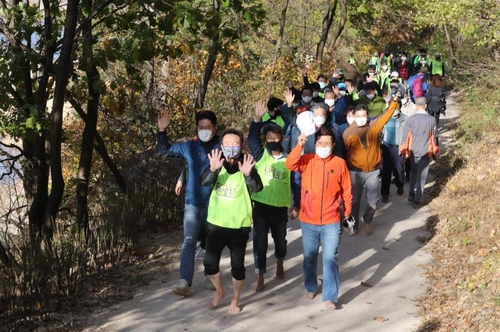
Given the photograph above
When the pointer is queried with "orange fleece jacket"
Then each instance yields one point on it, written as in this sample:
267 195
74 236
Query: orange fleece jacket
363 143
324 183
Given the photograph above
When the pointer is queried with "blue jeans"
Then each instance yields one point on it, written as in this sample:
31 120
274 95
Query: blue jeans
328 235
418 176
195 221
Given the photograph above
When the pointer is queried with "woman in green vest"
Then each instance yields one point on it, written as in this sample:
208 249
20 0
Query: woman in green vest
233 177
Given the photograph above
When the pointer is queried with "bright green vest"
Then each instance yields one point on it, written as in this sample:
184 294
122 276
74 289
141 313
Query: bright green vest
437 67
276 180
230 205
382 77
279 120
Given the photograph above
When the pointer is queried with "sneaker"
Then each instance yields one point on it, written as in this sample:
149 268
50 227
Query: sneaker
416 205
182 288
411 197
200 254
385 199
400 191
208 284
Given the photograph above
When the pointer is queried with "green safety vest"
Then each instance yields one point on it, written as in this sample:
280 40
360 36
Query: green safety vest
279 120
417 60
351 61
437 67
230 205
374 61
382 77
276 180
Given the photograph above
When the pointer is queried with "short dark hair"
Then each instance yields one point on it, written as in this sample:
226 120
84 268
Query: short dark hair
315 86
370 86
274 102
321 76
324 131
360 107
208 115
232 131
306 88
273 128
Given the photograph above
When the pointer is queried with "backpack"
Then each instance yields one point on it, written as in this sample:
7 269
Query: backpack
418 85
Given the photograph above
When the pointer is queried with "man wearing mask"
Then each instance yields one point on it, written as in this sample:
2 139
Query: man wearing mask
273 113
194 152
382 77
403 67
369 77
437 66
374 103
362 142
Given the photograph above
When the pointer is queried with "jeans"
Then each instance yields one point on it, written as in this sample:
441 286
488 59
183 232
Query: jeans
267 217
236 241
195 222
418 176
391 164
368 180
328 235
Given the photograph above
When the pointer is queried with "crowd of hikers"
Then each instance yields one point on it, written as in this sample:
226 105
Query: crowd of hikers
312 155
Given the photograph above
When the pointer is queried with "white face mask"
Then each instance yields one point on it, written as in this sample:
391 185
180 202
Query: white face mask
370 96
322 85
350 121
371 74
315 94
306 99
342 93
361 121
318 121
403 58
384 68
204 135
330 102
294 105
323 152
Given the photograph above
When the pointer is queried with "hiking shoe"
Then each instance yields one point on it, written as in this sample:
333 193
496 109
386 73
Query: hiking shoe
416 205
385 199
400 191
368 229
200 254
182 288
208 284
411 197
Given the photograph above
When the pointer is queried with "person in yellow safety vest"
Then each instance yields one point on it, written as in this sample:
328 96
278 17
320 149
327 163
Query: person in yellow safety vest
273 113
351 60
382 76
387 59
375 61
436 66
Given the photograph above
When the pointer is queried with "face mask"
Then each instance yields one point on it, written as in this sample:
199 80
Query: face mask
350 121
322 85
371 74
315 94
330 102
370 96
384 68
318 121
361 121
422 62
231 152
294 105
323 152
273 146
342 93
307 99
403 58
204 135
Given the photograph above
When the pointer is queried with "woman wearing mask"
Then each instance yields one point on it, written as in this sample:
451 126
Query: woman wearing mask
325 183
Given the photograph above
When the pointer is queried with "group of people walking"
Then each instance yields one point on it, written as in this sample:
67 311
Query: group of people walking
311 156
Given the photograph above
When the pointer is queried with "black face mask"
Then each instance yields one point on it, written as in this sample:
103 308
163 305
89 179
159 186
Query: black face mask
273 146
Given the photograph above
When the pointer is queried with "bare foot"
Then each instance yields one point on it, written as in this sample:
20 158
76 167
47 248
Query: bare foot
280 270
234 308
217 298
331 305
260 283
309 296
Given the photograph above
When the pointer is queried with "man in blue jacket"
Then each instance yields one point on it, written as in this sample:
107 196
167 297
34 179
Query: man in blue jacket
195 153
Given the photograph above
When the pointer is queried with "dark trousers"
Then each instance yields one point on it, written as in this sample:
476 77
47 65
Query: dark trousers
236 241
391 164
265 218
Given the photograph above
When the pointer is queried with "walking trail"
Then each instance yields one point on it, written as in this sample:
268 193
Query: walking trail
381 276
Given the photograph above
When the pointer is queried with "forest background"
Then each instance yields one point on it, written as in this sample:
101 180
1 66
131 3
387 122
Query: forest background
81 82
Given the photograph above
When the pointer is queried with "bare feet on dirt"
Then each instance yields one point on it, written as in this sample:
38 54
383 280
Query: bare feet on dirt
259 286
331 305
234 308
218 297
309 296
280 270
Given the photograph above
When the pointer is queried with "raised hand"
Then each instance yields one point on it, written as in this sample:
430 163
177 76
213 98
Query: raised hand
260 110
350 88
247 165
178 188
336 90
289 97
163 120
215 158
302 139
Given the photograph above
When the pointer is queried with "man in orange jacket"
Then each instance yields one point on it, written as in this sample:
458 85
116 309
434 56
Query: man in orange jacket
325 184
364 157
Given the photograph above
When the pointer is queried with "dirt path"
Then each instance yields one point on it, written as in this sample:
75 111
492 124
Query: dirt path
389 261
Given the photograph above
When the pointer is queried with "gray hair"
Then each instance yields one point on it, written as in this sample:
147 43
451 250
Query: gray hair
320 105
420 101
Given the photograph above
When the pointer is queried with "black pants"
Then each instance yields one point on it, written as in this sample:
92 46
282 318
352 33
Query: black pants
391 164
236 240
265 218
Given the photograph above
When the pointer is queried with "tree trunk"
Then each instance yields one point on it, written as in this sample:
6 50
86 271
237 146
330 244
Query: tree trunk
340 26
277 48
63 72
327 24
87 146
209 67
451 47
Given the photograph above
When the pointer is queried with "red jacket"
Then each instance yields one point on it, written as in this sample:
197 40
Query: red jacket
324 183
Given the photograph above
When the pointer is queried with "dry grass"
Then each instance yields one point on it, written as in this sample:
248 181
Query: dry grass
465 276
